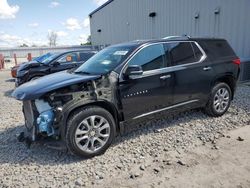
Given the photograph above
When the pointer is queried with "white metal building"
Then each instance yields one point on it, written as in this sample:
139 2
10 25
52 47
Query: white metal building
22 52
125 20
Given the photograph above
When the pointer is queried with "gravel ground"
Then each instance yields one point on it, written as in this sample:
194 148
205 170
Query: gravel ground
145 152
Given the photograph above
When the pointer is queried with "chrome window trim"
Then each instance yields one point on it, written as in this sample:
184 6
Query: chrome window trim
166 108
157 71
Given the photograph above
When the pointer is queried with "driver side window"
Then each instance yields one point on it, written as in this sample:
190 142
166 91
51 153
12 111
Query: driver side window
68 58
150 58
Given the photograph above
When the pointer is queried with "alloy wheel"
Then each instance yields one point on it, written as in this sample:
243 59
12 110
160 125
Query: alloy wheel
92 133
221 100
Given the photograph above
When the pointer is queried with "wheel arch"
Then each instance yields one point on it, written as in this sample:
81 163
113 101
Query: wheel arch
36 75
103 104
229 79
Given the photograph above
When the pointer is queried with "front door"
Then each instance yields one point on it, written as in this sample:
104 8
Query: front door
67 61
152 91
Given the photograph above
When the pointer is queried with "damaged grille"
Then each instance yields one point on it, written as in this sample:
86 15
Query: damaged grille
28 114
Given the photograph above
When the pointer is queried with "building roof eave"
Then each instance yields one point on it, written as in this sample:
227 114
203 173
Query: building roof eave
100 7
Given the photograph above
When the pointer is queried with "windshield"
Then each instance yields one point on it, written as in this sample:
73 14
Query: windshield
106 60
50 58
43 57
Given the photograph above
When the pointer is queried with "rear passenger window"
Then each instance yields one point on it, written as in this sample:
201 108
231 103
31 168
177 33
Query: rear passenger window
150 58
181 53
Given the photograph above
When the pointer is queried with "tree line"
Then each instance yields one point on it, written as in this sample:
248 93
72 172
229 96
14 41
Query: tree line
53 39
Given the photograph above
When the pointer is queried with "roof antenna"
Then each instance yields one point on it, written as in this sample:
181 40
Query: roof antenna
185 35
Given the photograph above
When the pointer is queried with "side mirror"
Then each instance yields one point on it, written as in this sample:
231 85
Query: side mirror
56 63
133 71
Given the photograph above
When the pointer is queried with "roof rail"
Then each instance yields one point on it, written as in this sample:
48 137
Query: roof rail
183 37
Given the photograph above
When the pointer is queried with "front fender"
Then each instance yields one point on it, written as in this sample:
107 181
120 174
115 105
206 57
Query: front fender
72 106
67 111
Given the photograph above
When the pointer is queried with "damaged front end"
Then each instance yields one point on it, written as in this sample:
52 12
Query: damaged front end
46 113
43 116
40 118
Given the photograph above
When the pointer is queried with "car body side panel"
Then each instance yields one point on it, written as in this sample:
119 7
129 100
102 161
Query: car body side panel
146 94
193 83
225 67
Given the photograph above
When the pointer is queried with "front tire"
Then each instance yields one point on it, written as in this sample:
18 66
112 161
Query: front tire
219 100
35 78
90 131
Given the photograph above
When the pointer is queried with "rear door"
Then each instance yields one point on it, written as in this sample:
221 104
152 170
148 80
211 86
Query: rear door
192 72
151 92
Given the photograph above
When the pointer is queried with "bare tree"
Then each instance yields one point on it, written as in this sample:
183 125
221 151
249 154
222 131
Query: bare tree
88 41
24 45
52 37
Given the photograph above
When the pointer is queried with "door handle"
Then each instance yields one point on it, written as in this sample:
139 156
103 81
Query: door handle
165 77
207 68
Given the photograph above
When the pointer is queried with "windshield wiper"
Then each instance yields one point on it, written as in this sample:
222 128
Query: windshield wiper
82 72
38 61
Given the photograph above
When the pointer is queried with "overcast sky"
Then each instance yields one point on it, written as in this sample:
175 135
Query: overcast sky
29 21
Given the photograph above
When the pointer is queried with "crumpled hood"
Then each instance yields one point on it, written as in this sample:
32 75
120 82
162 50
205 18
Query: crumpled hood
35 89
26 65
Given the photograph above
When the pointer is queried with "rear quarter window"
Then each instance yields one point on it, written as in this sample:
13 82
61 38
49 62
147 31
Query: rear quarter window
219 49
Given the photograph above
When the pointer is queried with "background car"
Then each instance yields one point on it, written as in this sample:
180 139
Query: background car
39 59
54 63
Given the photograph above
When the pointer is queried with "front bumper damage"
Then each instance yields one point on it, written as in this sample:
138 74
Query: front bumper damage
40 119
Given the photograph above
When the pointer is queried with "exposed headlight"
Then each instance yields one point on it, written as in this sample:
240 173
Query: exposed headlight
45 122
45 118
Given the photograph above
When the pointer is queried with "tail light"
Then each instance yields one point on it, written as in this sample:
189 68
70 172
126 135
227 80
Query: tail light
236 61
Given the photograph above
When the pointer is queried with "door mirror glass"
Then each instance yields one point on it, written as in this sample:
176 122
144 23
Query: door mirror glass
134 70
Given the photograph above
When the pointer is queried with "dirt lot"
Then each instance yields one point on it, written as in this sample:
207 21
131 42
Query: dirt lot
187 150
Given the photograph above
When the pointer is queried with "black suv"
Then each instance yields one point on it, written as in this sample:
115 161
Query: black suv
125 83
55 62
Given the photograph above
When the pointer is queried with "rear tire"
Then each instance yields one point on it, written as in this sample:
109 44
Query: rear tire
219 100
90 131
